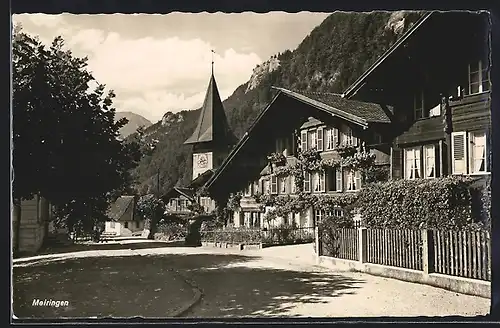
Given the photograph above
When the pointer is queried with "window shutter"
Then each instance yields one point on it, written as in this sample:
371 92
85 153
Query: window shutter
274 185
303 141
357 176
338 179
459 152
322 181
307 182
336 137
319 139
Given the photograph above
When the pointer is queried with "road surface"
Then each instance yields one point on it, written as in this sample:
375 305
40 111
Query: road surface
284 281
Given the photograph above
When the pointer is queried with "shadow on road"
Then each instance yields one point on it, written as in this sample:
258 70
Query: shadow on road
248 288
232 286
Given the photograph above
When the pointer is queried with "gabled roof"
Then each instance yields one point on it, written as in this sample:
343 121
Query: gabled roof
186 192
358 111
120 207
212 123
353 88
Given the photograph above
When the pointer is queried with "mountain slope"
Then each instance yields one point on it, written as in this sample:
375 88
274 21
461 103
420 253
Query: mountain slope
134 121
329 59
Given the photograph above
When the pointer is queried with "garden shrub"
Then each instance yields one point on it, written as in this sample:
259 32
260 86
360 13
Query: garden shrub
171 231
329 230
442 203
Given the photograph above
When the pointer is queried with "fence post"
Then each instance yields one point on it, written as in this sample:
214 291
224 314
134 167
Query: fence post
317 242
427 251
362 245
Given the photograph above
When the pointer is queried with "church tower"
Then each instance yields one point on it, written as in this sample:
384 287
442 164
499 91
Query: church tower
212 139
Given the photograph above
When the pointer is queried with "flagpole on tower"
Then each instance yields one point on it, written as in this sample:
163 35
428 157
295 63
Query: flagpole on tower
212 61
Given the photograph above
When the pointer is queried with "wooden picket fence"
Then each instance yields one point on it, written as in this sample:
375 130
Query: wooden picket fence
463 253
341 243
457 253
399 248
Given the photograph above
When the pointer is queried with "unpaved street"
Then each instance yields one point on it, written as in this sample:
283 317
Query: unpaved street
283 282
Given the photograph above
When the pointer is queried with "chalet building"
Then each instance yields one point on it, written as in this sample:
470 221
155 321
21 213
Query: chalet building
436 78
123 218
422 109
319 121
211 142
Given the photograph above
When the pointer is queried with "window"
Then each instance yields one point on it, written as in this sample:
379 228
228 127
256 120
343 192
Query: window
349 139
112 225
248 190
478 151
430 161
282 185
479 80
332 138
319 141
274 185
307 182
303 140
338 179
247 219
293 188
266 188
312 139
318 181
418 105
412 163
353 180
126 224
255 187
255 220
320 214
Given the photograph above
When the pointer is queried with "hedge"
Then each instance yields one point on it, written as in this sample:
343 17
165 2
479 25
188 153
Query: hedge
442 203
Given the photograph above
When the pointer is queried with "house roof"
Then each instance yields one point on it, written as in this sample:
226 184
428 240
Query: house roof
353 88
176 191
353 110
120 207
212 123
201 179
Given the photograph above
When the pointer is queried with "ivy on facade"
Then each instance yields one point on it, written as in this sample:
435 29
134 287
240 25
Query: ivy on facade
350 157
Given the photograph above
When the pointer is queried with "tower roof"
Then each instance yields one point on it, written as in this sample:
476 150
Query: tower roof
212 123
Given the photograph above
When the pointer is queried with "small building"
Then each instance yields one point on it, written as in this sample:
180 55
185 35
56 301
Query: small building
33 217
124 220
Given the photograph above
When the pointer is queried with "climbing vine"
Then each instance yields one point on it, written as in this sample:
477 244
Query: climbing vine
358 158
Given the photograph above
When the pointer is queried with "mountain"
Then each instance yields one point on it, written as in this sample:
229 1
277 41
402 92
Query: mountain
134 121
329 59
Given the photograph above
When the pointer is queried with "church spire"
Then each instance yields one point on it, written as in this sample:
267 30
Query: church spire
212 124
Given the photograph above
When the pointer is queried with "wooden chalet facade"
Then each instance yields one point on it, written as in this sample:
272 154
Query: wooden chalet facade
437 80
423 109
323 122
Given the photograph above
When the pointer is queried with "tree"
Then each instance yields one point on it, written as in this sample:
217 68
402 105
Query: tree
151 209
65 138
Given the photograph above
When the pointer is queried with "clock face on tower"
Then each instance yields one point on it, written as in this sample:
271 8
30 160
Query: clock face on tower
202 160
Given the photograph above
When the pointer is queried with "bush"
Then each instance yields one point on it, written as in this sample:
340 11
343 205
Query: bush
329 229
171 231
442 203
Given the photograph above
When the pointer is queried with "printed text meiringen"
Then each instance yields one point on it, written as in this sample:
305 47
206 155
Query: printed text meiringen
49 303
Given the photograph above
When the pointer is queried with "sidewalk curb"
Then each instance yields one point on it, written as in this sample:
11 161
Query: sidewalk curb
196 297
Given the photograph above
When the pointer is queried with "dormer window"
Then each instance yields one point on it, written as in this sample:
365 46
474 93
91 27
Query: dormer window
479 80
422 106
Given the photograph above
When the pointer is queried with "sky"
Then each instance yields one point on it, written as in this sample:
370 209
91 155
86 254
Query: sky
161 63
